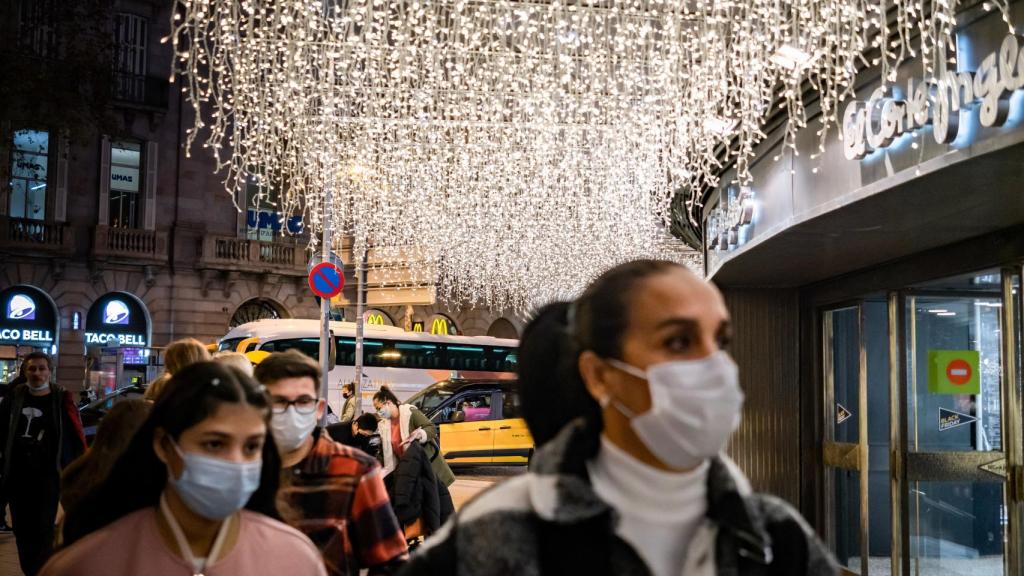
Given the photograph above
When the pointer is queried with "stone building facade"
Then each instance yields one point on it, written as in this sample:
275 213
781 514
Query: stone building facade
129 216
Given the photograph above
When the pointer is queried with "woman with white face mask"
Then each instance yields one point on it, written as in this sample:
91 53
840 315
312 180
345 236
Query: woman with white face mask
194 492
401 424
631 398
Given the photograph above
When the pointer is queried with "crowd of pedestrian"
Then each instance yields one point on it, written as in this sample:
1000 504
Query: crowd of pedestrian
225 468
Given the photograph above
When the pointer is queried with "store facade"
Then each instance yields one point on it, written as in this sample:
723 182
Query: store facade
877 288
28 323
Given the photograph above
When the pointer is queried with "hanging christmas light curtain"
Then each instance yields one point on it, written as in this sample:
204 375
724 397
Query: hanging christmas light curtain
521 147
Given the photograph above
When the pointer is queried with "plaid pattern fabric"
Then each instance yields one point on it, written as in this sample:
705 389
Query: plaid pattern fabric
336 496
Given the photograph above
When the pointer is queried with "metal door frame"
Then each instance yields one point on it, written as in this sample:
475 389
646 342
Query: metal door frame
902 360
845 455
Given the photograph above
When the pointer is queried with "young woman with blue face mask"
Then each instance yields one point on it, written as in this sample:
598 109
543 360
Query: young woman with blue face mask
194 492
631 399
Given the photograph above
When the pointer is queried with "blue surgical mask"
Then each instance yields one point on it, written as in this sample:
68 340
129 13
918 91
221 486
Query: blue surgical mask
384 412
215 488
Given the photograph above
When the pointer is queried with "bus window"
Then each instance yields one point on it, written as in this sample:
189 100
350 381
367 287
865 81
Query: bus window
466 358
346 351
308 346
372 350
501 359
416 355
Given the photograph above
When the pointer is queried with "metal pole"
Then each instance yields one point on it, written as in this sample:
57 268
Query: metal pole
325 304
360 303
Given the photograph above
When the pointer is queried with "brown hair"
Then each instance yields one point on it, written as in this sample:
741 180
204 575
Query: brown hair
156 387
287 364
551 387
37 355
184 352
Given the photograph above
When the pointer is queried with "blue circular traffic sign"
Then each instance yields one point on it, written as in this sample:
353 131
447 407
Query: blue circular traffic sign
326 280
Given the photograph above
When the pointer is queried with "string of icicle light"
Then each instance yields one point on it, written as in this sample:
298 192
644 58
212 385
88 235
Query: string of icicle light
520 147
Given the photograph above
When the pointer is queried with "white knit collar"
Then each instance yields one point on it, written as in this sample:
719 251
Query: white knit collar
620 478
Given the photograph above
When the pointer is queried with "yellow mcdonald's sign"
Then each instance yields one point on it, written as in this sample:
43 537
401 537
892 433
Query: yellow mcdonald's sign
439 326
417 327
376 319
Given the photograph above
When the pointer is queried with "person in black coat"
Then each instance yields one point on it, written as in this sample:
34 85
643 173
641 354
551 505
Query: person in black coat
417 494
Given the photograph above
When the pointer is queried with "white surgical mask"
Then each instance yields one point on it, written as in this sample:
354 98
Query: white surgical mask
39 387
291 428
695 408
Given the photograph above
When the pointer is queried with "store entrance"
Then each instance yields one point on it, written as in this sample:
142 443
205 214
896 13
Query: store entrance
922 450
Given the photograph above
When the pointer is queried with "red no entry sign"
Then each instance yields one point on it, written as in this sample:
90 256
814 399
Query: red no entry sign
958 371
326 280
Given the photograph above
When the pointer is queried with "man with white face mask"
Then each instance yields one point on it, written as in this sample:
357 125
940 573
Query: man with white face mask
40 434
333 493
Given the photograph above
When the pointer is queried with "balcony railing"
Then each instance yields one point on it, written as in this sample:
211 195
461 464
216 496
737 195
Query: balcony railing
28 236
143 91
240 254
130 244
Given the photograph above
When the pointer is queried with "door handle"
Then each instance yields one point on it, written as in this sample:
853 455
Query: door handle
482 429
505 428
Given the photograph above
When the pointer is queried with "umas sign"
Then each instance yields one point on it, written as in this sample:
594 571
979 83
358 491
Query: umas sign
874 124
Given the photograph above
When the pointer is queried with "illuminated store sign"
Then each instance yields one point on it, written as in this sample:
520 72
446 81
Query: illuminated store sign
28 317
120 339
117 319
377 318
21 307
13 334
875 124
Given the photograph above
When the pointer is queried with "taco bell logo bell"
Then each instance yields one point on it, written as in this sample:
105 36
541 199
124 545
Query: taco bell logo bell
21 307
115 312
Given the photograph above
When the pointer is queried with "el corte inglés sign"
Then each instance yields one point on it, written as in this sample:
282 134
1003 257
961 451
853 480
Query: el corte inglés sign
875 124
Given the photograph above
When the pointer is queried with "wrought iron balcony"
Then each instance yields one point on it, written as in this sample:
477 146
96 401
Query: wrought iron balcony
129 244
242 255
149 92
29 237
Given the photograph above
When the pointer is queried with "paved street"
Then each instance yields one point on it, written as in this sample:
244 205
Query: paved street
468 483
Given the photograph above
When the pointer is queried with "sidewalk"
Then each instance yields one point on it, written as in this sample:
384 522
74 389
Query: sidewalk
8 556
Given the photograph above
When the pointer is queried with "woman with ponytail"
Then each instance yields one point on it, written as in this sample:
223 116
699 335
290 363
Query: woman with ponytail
631 399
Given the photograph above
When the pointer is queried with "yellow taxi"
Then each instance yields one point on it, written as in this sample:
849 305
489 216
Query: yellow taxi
479 421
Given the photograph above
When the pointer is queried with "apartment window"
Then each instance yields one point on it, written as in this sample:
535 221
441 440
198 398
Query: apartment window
37 33
125 183
30 156
130 37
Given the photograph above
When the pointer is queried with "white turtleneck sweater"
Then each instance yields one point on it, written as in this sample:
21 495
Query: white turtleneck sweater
659 512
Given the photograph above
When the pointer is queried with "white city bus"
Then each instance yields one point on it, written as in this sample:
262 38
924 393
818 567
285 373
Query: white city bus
407 362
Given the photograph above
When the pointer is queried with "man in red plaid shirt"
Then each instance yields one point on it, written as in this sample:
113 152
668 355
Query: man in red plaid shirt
331 492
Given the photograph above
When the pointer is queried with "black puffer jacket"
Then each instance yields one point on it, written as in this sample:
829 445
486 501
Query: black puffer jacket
416 492
551 522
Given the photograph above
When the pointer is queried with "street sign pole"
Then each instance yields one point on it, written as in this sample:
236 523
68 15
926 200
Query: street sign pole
360 321
325 304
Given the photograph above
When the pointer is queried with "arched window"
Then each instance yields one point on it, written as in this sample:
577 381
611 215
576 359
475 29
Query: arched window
502 328
256 309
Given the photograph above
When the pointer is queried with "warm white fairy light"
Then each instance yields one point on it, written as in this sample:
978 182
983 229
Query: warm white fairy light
518 147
